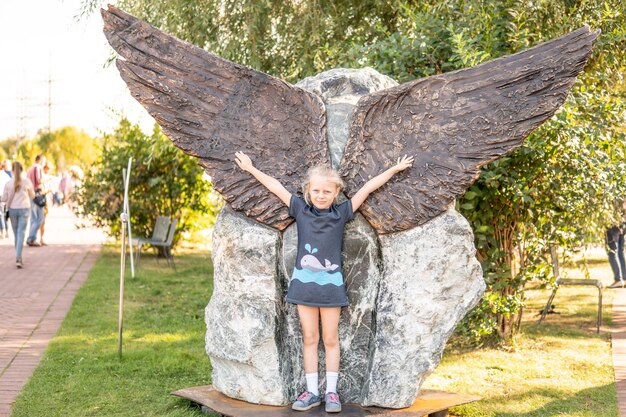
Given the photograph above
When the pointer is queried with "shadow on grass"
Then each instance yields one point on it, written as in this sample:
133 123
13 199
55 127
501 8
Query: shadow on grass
596 401
150 263
573 329
573 306
589 262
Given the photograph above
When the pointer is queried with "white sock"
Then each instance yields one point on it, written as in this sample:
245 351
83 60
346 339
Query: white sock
312 383
331 381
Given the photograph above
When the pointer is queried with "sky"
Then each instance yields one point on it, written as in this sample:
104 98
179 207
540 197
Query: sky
47 56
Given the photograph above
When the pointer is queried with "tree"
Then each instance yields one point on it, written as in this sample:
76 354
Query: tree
62 147
69 146
9 147
557 190
164 181
288 39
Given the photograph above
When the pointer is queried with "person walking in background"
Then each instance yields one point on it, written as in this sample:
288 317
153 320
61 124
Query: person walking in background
62 186
55 187
615 249
615 246
7 168
4 229
18 195
45 190
35 175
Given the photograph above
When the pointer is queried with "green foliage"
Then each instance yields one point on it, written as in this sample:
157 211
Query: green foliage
556 190
8 148
27 150
69 146
559 188
289 39
403 39
62 147
434 37
164 181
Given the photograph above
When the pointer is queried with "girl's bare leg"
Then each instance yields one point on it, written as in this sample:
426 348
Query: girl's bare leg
309 320
330 335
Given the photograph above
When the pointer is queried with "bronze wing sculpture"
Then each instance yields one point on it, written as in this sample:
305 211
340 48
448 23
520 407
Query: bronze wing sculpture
211 107
454 123
411 271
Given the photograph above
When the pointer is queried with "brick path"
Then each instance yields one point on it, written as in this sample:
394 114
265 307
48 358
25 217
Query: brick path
35 300
618 341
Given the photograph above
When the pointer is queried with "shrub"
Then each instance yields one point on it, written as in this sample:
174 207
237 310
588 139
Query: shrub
163 181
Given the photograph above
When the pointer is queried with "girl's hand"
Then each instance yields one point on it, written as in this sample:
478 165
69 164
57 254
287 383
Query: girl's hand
243 161
403 163
379 180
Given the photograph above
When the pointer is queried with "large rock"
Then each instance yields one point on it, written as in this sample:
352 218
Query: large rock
243 315
340 90
431 279
407 291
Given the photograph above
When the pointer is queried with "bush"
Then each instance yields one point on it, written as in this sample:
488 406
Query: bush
163 181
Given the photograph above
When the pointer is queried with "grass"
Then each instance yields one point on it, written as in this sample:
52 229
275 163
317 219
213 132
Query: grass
163 344
559 368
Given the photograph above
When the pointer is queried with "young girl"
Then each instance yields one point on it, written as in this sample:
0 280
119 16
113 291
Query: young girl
316 284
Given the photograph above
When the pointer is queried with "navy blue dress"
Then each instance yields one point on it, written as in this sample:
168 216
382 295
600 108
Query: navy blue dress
317 278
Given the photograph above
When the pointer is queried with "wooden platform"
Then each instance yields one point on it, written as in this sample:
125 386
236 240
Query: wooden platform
429 403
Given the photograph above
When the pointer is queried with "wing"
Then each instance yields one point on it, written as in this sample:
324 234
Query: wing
453 124
210 108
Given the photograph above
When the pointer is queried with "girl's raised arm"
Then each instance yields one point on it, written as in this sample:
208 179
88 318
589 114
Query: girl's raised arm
378 181
269 182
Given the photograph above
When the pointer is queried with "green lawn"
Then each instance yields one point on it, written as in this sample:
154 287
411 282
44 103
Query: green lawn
559 368
163 346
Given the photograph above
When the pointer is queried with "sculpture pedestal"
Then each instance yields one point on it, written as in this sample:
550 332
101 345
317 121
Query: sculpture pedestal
428 403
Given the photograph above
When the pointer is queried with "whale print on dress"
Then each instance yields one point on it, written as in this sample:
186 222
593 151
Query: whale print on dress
311 263
313 270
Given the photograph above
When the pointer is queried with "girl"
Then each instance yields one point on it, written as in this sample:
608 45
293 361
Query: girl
18 194
316 284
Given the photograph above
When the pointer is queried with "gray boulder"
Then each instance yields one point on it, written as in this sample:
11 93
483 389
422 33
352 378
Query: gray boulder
407 291
431 279
243 314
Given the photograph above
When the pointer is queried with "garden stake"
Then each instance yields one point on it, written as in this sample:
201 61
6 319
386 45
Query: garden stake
125 223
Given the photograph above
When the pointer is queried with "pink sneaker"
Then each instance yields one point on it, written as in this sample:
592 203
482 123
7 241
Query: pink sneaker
306 401
333 405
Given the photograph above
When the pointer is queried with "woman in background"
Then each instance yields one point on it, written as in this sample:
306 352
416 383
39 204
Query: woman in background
18 194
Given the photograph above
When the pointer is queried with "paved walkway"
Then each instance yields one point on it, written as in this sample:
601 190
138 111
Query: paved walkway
35 300
618 342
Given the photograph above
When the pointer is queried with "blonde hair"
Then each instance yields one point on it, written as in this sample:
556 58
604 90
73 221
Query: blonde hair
324 171
17 175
